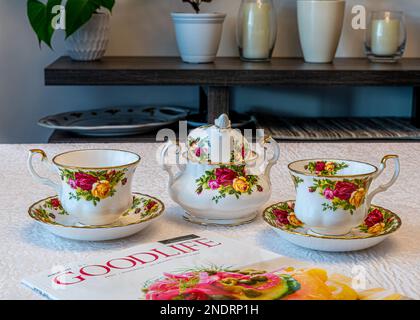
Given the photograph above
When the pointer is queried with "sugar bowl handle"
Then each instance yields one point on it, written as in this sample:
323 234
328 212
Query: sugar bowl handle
167 167
268 140
35 175
385 187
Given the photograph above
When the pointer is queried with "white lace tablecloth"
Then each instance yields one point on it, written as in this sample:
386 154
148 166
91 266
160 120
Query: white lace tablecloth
26 248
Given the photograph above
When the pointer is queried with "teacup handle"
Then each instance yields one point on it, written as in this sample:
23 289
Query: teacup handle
35 175
385 187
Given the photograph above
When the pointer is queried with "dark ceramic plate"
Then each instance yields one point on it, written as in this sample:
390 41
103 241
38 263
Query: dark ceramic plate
115 121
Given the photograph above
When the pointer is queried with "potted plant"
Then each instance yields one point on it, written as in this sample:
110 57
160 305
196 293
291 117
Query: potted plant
198 34
86 24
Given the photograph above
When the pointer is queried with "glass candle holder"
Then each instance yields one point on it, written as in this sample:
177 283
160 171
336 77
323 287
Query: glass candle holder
386 36
256 30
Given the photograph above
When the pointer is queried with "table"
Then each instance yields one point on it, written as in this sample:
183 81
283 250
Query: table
26 248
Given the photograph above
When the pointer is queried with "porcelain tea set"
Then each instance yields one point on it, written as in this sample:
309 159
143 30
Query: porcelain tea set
219 178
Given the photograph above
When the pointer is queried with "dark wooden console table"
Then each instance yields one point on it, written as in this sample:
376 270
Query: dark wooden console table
215 80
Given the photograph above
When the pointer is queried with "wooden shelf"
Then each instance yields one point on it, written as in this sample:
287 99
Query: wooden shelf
230 72
215 79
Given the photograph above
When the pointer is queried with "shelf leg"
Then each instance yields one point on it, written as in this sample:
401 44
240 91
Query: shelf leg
415 117
218 102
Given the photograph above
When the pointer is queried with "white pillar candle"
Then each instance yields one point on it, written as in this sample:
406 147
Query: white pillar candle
385 36
256 30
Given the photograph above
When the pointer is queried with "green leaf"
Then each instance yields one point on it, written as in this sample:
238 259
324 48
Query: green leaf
40 17
78 13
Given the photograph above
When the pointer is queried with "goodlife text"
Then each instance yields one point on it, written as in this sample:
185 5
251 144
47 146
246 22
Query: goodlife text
69 278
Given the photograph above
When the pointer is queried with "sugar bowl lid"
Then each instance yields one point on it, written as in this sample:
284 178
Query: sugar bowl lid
218 143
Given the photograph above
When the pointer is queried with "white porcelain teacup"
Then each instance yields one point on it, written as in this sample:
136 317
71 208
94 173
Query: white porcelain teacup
332 196
95 184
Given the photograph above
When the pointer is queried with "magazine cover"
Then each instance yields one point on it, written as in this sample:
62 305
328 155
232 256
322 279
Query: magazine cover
196 267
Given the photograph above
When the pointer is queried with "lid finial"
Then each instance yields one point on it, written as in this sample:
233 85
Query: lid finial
223 122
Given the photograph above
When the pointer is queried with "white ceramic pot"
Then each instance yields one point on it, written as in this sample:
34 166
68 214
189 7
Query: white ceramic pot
95 185
198 35
320 24
332 196
91 40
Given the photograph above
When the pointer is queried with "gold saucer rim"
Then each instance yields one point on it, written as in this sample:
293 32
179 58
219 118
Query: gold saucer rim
388 232
153 216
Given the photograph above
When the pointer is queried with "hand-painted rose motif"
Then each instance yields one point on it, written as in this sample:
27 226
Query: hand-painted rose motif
344 190
373 218
326 168
55 203
198 152
358 197
72 183
329 194
214 185
225 176
294 221
228 180
101 189
93 186
240 185
377 221
151 206
319 166
282 216
285 216
85 181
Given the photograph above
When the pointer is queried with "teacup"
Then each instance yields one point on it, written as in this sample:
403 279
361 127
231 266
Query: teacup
95 184
332 196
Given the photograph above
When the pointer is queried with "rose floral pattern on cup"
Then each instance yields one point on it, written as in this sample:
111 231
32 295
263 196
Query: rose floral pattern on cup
284 214
228 181
93 185
325 168
346 194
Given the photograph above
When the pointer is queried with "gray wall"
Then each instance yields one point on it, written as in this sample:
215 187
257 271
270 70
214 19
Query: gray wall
143 27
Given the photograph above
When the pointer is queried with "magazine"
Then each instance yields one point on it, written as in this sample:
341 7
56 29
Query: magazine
195 267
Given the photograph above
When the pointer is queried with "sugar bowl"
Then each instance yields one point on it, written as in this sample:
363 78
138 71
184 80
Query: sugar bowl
220 179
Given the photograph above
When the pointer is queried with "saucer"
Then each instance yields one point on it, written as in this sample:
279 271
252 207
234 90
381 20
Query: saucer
381 224
50 214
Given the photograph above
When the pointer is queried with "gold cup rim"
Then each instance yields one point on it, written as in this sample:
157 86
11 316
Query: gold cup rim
54 160
308 174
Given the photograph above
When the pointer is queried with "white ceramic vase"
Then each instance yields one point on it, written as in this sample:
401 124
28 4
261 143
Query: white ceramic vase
320 24
198 35
91 40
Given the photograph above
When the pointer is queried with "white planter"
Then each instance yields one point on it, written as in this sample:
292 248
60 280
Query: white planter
320 24
198 35
91 40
